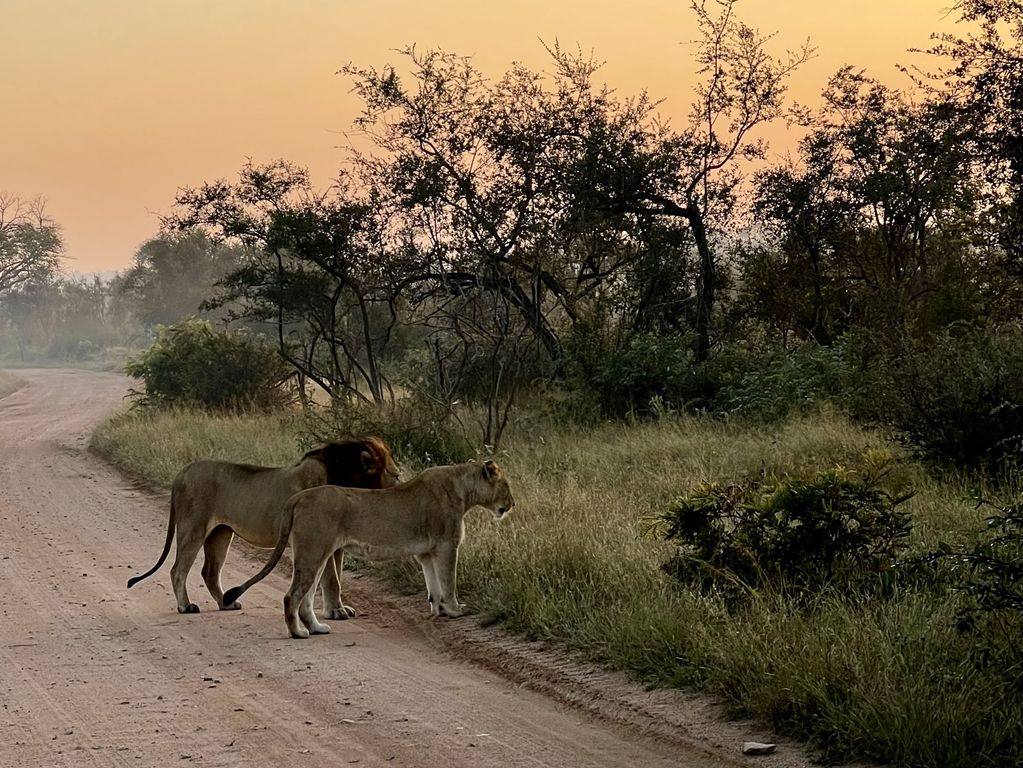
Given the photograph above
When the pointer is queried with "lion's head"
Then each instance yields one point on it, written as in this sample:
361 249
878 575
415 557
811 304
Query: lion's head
364 462
495 491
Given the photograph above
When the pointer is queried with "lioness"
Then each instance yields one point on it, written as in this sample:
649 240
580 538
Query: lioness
211 501
422 518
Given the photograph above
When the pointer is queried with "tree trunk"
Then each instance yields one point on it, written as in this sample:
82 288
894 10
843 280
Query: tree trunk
707 281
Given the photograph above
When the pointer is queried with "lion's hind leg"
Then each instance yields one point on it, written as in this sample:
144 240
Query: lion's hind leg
298 602
330 584
189 544
216 547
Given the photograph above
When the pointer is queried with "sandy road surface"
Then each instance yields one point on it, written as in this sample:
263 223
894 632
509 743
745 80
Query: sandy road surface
94 675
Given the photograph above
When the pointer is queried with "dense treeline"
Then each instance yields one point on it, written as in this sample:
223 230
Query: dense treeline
538 232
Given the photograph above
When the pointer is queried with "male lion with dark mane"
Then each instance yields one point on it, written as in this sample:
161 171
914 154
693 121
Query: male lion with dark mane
422 518
211 501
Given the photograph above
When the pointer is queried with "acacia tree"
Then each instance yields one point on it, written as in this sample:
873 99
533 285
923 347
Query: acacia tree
316 266
692 174
31 245
481 174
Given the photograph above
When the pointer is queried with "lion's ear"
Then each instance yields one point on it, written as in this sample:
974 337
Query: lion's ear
369 462
315 453
489 470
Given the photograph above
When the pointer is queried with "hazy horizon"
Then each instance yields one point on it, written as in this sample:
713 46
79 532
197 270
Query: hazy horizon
122 103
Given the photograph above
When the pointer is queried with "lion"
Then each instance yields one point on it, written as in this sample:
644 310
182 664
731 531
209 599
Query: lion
422 518
211 501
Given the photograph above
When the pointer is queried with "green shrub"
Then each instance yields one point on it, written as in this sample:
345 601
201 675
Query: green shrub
959 399
992 580
789 535
989 577
787 382
190 364
648 369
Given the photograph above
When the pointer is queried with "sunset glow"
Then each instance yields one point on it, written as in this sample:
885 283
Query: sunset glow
110 106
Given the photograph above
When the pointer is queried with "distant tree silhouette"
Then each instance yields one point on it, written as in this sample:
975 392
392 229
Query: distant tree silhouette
31 245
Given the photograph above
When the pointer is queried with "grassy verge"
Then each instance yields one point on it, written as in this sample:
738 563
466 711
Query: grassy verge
8 383
890 680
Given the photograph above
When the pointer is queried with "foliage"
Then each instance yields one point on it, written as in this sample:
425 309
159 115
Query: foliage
31 245
420 431
995 565
871 224
991 576
318 267
959 399
788 381
190 364
649 369
173 274
984 82
67 320
788 535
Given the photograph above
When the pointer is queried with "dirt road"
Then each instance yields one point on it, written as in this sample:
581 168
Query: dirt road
94 675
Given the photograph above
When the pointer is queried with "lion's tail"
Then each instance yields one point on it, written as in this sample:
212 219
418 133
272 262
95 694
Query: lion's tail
171 523
289 519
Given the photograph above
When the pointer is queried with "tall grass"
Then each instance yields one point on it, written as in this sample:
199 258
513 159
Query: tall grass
157 444
887 679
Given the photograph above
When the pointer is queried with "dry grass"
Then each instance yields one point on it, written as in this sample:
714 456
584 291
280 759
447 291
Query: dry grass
890 680
8 383
156 445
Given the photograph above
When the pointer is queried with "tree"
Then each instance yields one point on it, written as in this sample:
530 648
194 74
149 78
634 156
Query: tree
65 318
878 222
31 245
691 174
317 267
174 274
466 163
985 81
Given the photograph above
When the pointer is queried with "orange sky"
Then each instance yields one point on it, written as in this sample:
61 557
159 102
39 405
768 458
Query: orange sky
108 106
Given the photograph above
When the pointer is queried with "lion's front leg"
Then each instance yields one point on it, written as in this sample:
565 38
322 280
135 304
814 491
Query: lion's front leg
446 566
428 563
330 585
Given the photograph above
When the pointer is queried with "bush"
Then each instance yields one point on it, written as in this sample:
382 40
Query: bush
990 577
959 399
648 369
190 364
787 382
791 535
419 431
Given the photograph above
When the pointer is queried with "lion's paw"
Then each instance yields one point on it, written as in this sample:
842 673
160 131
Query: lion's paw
190 608
339 614
453 611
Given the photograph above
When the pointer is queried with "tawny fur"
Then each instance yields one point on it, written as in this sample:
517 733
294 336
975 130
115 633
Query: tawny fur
211 501
422 518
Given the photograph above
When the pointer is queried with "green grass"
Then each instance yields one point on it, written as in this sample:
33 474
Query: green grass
890 680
